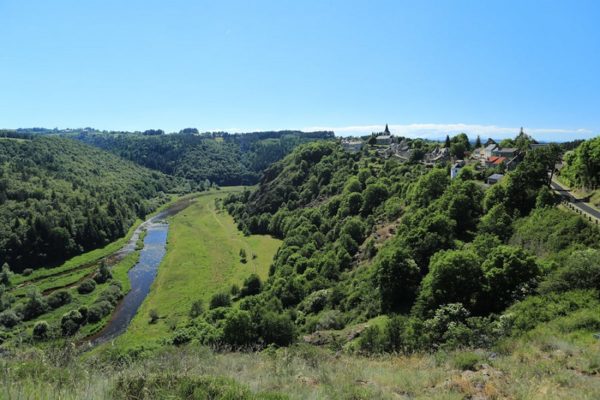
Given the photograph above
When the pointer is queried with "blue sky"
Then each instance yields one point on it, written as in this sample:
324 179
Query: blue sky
425 67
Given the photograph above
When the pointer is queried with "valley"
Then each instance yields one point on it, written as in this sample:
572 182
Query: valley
341 274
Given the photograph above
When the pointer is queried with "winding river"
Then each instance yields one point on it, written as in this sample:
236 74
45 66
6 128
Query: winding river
142 274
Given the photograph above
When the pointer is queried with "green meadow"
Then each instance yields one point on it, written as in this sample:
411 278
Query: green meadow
202 259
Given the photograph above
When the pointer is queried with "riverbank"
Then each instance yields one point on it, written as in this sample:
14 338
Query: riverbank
202 259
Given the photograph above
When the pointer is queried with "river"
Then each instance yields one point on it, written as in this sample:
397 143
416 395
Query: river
142 274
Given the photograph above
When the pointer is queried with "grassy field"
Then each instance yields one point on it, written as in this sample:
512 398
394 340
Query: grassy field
549 366
202 259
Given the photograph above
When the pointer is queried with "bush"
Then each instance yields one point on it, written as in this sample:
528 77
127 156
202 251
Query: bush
467 360
86 286
113 294
371 340
220 300
34 306
238 329
252 286
27 271
70 322
40 330
277 329
99 310
581 271
197 309
9 319
103 273
183 335
153 315
59 298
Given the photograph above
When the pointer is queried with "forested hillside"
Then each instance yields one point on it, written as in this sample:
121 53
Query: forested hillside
364 237
221 158
582 165
59 197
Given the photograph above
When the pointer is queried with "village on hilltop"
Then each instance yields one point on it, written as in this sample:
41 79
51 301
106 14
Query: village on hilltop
492 158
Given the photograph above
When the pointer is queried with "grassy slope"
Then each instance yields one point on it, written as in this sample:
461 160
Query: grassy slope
202 259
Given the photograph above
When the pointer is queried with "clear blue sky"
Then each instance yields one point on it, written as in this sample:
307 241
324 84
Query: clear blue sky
421 66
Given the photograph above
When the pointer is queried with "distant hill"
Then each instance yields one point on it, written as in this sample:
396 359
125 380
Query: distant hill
60 197
218 157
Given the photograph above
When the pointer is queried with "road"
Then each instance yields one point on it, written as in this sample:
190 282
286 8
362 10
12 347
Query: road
578 204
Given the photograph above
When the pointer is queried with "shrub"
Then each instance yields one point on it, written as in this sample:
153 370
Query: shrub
197 308
316 301
70 322
238 329
99 310
371 340
220 300
153 315
40 330
9 318
183 335
252 286
113 294
581 271
59 298
467 360
27 271
35 305
5 275
277 329
86 286
396 276
103 274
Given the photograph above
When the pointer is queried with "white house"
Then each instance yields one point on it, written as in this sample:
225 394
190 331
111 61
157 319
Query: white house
456 167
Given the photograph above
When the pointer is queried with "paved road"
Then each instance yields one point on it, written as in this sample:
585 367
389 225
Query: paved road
579 204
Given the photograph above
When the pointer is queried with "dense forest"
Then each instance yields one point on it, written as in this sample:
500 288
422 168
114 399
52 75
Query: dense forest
582 165
452 263
221 158
60 197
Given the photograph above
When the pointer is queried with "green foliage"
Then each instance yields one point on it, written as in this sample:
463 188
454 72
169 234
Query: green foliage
35 305
61 198
9 319
510 274
103 273
87 286
220 300
5 275
252 286
59 298
397 278
238 329
71 322
582 166
527 314
551 230
580 271
222 158
41 330
197 309
454 276
153 316
467 361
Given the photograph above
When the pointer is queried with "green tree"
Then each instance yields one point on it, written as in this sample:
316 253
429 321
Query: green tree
238 329
41 330
5 275
35 304
455 276
220 300
510 274
252 286
396 277
373 196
